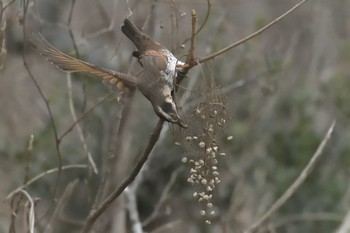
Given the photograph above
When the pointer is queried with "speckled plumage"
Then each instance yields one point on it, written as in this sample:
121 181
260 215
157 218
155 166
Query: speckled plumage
158 73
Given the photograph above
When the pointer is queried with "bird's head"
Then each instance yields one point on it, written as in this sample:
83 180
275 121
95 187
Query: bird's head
167 111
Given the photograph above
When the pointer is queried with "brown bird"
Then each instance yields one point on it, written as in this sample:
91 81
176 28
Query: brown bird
156 81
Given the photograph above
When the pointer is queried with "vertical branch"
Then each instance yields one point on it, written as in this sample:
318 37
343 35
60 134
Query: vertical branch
25 4
203 24
70 29
29 155
31 215
132 208
2 35
190 60
190 56
106 165
79 129
70 96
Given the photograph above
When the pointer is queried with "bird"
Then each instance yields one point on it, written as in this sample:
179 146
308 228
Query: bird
155 82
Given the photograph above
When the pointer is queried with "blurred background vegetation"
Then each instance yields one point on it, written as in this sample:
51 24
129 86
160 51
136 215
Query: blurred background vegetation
281 89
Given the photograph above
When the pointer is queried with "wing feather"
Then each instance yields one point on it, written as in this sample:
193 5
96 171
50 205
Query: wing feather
71 64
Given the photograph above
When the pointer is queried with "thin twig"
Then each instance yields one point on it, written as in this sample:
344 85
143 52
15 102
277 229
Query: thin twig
188 66
71 127
190 59
258 32
9 4
28 158
112 153
25 4
31 217
31 181
70 96
163 198
16 208
296 184
204 23
70 16
105 29
14 205
206 17
79 129
135 170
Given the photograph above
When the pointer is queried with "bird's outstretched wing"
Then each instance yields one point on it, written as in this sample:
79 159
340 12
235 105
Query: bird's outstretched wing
71 64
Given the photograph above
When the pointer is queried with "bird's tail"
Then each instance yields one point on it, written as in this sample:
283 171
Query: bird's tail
133 33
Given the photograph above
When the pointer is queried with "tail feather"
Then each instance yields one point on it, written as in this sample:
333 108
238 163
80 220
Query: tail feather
133 33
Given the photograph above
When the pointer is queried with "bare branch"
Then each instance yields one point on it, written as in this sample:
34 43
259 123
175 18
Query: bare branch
106 166
132 208
4 8
3 50
71 127
190 57
70 29
31 216
206 17
70 96
163 197
188 66
29 155
107 29
204 23
212 56
29 182
296 184
25 5
135 170
79 129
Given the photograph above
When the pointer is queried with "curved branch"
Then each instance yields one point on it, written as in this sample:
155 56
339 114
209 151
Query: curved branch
29 182
135 170
204 23
296 184
206 17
